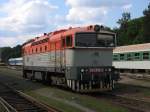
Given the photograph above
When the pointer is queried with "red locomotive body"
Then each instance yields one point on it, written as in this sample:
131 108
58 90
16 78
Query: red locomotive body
80 58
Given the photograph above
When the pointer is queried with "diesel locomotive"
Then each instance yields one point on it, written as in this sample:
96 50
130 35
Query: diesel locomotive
79 58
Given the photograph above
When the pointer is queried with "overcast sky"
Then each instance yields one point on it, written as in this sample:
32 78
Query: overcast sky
21 20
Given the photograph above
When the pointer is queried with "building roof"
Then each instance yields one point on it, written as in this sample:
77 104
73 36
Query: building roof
132 48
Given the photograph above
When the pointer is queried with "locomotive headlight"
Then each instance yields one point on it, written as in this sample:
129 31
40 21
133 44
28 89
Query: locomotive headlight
109 69
96 28
82 70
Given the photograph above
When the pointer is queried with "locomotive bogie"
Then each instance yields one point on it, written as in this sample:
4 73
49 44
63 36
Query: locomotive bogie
89 86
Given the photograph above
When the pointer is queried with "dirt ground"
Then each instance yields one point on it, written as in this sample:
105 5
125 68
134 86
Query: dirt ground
133 81
134 88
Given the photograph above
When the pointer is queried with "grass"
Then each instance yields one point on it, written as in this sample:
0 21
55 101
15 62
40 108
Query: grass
99 105
57 97
10 72
146 93
54 103
133 90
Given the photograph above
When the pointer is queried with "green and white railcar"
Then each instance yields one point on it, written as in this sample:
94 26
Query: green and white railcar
133 57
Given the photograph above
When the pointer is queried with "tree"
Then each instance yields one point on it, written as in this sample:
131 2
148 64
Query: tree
146 24
8 52
122 31
124 20
135 31
5 54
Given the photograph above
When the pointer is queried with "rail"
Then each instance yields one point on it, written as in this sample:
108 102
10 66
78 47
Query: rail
15 101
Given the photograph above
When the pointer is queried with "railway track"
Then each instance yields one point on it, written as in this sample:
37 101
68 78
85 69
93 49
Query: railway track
15 101
132 104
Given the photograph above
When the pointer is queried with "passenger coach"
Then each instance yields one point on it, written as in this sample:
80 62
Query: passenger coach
132 58
79 58
15 61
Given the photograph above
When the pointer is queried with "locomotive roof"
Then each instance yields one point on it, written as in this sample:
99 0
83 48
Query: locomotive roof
63 32
132 48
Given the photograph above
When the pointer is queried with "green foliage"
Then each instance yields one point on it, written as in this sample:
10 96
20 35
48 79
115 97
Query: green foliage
8 52
133 31
124 21
146 24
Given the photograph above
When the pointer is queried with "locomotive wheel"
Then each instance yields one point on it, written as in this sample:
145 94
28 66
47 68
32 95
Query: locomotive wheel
48 79
24 74
43 77
32 77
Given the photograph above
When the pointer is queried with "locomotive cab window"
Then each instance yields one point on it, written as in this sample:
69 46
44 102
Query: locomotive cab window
106 40
68 41
63 42
94 39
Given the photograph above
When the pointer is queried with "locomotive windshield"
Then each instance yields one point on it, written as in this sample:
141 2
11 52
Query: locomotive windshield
94 40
